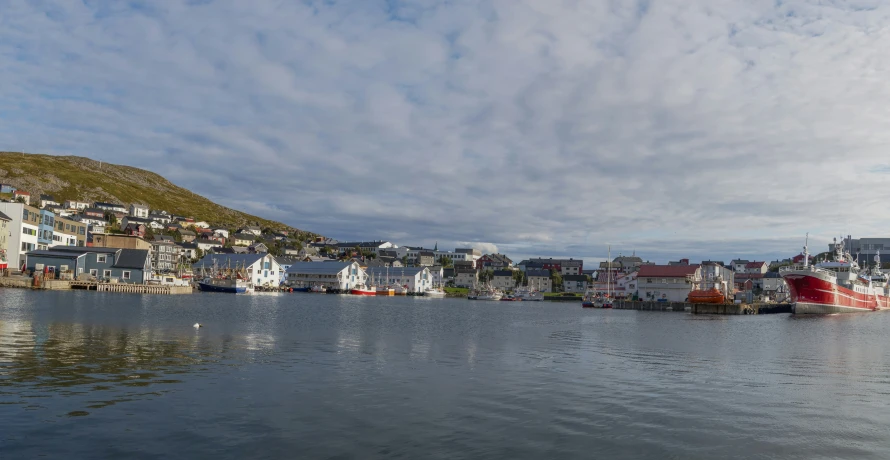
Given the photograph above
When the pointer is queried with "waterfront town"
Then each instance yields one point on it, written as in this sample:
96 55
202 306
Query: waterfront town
131 244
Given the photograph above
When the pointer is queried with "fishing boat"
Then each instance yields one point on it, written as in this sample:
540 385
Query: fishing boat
318 288
398 289
361 289
836 286
385 288
485 293
226 285
227 280
528 294
511 298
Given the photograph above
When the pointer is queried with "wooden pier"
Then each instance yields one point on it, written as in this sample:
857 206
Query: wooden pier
130 288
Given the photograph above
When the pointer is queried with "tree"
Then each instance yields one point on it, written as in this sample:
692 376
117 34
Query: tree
518 275
149 234
556 279
486 275
110 218
446 262
199 254
405 260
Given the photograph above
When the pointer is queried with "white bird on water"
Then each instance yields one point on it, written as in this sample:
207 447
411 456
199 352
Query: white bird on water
197 325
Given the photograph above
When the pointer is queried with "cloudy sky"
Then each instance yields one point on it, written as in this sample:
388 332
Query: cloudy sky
675 128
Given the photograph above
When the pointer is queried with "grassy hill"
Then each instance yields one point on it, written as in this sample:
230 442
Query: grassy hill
79 178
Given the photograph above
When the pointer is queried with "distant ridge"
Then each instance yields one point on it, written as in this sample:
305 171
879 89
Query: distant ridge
79 178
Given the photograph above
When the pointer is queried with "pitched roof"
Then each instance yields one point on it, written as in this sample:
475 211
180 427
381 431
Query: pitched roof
186 232
5 217
131 258
206 241
667 271
755 264
57 254
244 236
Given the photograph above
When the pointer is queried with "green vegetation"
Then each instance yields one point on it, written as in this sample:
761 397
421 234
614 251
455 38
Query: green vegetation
456 291
562 294
78 178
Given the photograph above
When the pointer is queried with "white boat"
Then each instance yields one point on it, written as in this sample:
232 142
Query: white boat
526 294
433 292
318 288
485 293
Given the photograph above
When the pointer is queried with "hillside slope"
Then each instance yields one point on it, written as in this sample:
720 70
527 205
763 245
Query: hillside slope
79 178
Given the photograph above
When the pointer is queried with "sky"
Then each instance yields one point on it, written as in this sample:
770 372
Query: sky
705 129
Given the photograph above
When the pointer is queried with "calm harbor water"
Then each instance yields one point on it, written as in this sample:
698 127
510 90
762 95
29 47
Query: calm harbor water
87 375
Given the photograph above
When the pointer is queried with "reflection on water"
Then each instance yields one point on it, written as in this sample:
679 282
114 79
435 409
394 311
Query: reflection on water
326 376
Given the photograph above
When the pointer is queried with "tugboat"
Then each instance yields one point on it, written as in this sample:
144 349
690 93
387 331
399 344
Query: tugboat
836 286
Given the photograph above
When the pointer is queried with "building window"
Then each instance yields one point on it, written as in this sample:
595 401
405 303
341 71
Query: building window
102 258
106 273
94 272
126 275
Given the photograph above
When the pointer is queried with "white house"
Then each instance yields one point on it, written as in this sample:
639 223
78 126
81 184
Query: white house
436 272
466 278
539 280
574 283
139 210
221 232
78 205
416 279
503 280
332 275
201 224
206 245
161 217
262 269
23 229
252 230
669 283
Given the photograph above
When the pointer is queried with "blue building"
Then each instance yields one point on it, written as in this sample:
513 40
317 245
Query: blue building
45 229
127 265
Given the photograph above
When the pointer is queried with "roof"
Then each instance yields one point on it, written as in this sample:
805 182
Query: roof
400 271
498 258
228 260
5 217
537 273
503 273
738 261
131 258
574 277
140 206
667 271
755 264
323 268
285 260
244 236
21 192
772 275
57 254
86 250
110 205
206 241
95 210
140 220
164 238
426 254
47 197
185 232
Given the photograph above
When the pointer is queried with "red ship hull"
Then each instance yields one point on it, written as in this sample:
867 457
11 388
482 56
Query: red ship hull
813 295
363 292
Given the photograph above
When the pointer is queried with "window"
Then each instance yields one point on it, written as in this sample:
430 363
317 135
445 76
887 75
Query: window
126 275
101 258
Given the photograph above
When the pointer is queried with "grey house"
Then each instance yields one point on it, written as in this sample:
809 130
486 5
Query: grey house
127 265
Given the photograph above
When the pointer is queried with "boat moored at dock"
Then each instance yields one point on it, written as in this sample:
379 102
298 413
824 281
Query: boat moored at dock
836 286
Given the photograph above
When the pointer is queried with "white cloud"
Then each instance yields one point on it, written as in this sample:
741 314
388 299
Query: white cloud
680 128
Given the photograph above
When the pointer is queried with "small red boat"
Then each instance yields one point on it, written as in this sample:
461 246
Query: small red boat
712 295
363 290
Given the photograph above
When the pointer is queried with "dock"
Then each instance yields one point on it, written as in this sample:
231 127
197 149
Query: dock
126 288
705 308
